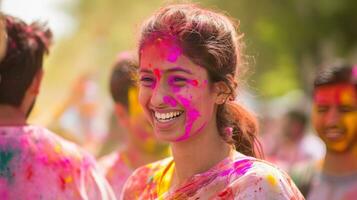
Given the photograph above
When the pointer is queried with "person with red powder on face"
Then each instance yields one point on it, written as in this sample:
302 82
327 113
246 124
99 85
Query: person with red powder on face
34 162
188 59
334 117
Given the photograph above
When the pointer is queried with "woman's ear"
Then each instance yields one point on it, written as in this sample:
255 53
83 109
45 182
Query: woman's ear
222 92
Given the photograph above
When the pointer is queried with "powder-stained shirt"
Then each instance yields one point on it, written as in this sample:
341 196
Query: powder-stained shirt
116 170
329 187
236 177
37 164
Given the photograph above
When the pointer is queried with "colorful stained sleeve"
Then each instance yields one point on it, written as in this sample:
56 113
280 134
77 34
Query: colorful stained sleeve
263 182
135 184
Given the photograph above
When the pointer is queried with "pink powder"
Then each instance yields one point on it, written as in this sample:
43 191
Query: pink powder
170 101
194 82
191 116
174 53
157 74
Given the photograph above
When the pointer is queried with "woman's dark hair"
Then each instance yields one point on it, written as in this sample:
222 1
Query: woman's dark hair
209 39
26 46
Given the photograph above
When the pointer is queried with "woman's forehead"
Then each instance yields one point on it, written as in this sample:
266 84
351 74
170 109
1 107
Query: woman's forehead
163 49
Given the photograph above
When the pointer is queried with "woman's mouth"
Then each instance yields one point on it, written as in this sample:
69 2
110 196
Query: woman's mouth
167 116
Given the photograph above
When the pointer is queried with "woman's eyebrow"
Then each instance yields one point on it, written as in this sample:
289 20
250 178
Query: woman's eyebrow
178 69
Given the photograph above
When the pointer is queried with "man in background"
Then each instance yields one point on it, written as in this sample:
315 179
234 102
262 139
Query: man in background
334 117
36 163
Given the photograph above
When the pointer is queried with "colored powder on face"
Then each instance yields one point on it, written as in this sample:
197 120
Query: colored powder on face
5 157
175 89
194 82
157 74
334 95
191 116
271 180
174 53
170 101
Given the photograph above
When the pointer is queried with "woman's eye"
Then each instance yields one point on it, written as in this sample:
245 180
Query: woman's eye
177 81
147 81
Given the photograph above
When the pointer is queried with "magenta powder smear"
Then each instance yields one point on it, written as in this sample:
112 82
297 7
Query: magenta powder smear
170 101
191 116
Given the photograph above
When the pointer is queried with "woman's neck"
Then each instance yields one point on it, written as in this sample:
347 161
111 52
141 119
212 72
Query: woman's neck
198 154
11 116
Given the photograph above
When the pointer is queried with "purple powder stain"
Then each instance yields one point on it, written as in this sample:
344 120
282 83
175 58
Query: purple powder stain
175 89
191 116
174 53
242 166
239 167
170 101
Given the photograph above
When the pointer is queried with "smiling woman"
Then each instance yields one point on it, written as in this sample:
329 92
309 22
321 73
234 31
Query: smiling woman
188 62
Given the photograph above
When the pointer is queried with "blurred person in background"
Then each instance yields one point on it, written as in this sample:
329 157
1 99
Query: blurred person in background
2 37
334 117
35 162
78 118
290 153
140 145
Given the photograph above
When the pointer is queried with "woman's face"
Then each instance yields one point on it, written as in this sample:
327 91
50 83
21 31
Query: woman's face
174 92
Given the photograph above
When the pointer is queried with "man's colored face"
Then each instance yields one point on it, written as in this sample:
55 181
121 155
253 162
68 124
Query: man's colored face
335 116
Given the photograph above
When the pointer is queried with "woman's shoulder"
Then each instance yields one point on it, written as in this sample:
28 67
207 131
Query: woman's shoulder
144 177
259 179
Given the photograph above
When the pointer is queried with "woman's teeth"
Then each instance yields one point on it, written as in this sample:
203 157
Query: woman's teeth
164 117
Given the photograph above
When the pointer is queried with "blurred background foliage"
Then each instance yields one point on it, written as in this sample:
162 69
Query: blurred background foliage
285 40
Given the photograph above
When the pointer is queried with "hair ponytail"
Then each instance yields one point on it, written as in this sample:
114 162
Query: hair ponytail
239 127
